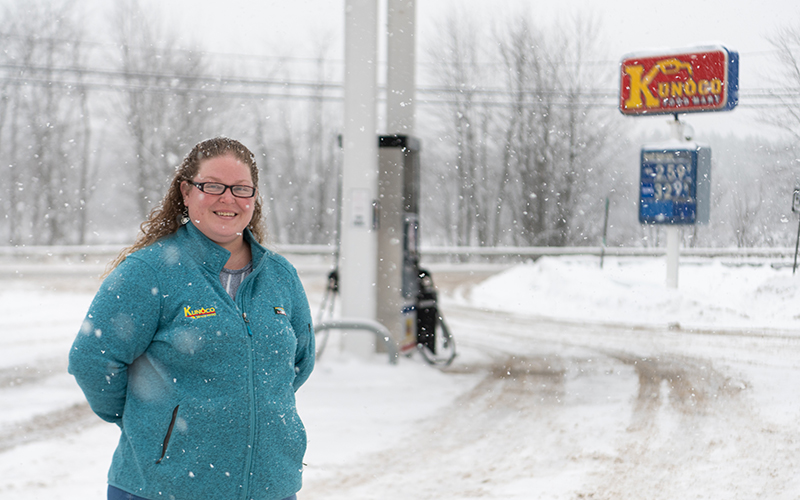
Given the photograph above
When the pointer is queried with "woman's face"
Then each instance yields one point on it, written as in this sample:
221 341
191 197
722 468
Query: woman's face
221 217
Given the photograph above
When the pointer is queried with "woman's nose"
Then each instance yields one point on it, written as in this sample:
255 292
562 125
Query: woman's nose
227 196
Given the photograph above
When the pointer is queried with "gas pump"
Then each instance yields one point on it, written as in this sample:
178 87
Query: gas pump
407 302
407 299
434 341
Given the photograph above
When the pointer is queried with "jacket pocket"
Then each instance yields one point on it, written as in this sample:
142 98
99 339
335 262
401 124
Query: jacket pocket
169 434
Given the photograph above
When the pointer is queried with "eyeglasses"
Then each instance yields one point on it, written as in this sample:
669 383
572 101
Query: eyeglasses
216 188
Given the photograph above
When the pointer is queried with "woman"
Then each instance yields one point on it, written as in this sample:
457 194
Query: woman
196 343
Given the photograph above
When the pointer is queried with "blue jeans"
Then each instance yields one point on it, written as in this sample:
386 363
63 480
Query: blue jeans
118 494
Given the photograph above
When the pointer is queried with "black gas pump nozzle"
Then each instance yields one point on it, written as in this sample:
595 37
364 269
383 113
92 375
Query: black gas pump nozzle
428 318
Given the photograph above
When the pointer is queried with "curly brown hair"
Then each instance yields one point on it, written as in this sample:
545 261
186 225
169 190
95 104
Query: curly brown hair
164 220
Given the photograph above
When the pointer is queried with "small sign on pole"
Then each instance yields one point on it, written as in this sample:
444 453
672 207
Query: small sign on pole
796 209
605 233
675 185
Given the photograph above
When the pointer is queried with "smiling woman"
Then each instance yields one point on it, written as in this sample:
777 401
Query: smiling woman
208 161
219 201
197 324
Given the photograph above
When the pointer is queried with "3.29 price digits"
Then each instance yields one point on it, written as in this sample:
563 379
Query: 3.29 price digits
671 181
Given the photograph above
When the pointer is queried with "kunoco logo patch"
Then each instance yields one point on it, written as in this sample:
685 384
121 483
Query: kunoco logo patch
203 312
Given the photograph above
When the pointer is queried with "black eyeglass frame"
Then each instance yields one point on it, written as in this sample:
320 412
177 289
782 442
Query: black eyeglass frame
202 187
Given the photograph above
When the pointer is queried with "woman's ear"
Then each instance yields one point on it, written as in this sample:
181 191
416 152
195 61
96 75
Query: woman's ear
185 188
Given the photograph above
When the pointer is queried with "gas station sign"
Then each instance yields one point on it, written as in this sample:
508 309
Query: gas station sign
689 81
675 184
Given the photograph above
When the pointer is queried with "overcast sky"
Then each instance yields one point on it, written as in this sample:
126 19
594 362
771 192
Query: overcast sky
635 25
296 27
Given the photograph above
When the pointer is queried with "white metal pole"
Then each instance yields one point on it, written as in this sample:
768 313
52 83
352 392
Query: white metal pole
358 257
400 73
673 255
674 232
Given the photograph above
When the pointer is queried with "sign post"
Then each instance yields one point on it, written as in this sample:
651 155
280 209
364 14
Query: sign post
796 209
676 176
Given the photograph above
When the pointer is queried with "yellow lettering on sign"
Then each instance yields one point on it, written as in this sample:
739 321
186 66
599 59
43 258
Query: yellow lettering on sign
689 88
639 88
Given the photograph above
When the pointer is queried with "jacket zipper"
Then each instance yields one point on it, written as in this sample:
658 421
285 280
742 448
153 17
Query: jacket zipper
169 434
247 324
251 387
239 301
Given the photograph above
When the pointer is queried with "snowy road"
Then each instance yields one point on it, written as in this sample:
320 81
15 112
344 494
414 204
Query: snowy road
567 410
649 413
531 408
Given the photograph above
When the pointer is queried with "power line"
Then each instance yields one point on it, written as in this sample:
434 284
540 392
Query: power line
142 81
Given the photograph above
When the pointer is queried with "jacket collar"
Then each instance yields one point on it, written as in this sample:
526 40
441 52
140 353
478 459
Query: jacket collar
210 255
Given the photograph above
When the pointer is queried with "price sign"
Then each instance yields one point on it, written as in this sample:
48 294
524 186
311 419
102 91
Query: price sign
796 200
674 185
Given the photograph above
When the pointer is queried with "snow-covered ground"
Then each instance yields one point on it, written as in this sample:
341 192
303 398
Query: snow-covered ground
712 294
572 382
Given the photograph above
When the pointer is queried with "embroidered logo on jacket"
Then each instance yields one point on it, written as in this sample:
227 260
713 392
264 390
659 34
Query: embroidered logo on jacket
199 313
279 310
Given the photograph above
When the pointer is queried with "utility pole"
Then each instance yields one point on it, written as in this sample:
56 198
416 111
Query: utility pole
358 259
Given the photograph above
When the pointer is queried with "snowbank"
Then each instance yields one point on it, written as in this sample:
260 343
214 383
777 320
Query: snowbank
711 294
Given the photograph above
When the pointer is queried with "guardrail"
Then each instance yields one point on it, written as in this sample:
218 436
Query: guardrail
82 252
777 252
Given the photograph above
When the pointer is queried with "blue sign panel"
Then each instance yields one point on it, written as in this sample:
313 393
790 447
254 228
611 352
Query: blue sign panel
674 187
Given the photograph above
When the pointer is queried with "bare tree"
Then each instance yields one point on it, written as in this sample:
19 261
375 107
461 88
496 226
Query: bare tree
43 134
165 111
746 206
87 167
301 161
787 44
269 190
307 173
554 137
530 132
583 134
466 132
524 159
753 179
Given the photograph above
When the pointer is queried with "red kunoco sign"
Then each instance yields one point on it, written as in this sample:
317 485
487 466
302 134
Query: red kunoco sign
694 80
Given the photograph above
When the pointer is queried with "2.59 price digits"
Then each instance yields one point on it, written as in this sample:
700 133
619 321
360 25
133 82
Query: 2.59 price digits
671 181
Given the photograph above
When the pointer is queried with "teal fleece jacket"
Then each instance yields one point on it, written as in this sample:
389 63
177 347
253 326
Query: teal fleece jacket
201 386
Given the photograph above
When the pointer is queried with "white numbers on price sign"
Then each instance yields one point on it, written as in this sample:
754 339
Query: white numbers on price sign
673 181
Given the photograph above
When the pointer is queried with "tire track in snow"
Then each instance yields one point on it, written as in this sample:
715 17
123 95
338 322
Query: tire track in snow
15 376
691 415
516 426
57 423
574 410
